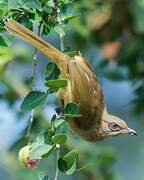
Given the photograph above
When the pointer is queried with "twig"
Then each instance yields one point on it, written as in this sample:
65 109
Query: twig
62 43
57 145
33 85
57 158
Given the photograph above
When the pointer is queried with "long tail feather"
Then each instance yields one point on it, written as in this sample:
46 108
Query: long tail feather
22 32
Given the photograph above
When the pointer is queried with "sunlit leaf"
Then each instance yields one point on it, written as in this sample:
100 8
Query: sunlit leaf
70 52
38 150
72 169
59 138
68 11
6 55
58 122
5 40
59 30
55 85
45 137
34 4
38 16
3 9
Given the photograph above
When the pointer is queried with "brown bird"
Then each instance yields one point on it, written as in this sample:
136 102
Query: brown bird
96 123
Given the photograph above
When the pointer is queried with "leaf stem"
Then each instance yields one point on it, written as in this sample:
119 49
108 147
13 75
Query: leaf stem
33 85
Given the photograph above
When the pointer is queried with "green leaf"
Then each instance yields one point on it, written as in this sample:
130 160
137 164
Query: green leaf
26 22
68 163
59 30
39 150
68 11
15 14
59 138
47 9
43 177
72 110
61 126
43 2
45 137
49 3
5 40
46 28
3 1
72 169
62 165
31 4
69 51
58 122
40 138
2 29
82 168
53 118
54 85
52 71
69 116
48 138
38 16
48 153
6 55
3 9
33 100
70 158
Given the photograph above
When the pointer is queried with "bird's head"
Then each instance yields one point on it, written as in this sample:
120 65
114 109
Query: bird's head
113 126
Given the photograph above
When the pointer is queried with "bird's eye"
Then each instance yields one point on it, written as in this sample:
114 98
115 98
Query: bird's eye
114 127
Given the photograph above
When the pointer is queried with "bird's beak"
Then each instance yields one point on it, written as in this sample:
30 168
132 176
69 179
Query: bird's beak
131 131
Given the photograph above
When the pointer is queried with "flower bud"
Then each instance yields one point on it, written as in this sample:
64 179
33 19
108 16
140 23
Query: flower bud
25 160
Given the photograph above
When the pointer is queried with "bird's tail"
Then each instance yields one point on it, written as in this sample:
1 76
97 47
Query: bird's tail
22 32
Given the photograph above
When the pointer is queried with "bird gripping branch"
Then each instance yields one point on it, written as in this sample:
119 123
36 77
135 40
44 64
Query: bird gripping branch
96 123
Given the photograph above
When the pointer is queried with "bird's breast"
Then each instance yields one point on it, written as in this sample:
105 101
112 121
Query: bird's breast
84 89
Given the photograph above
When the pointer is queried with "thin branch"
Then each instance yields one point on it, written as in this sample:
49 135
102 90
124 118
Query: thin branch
61 36
62 43
57 145
33 85
57 158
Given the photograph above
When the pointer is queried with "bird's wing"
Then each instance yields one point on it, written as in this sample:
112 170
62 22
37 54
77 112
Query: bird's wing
24 33
86 91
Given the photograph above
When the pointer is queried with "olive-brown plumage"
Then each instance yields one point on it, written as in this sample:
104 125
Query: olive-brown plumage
83 88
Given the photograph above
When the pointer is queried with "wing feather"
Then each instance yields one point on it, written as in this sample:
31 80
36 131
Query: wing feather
87 92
